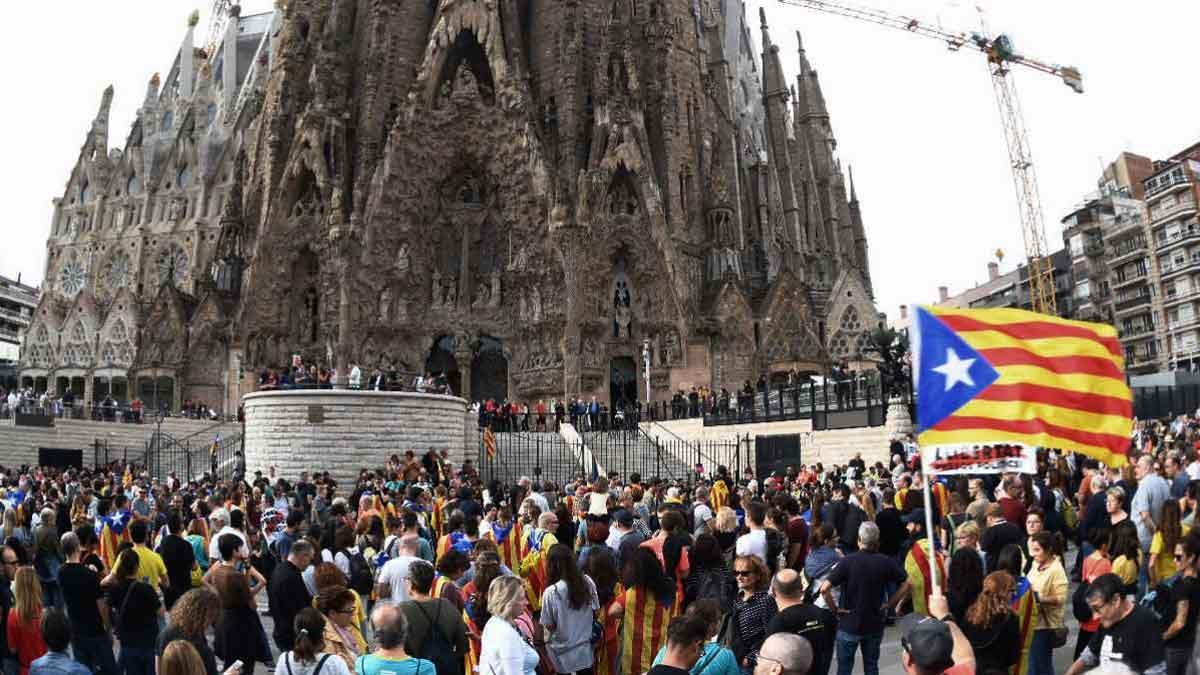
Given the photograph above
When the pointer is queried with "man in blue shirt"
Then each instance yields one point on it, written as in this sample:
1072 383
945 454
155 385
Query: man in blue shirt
56 631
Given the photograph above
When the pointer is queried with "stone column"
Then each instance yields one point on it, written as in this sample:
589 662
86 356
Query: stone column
568 238
462 354
344 244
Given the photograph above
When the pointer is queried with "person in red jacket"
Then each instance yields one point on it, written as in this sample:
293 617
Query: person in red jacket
24 630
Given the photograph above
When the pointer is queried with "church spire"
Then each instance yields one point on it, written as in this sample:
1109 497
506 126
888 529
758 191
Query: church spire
812 99
853 194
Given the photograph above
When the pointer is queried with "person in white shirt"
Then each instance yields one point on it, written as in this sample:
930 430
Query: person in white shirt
392 583
503 650
702 513
222 522
754 542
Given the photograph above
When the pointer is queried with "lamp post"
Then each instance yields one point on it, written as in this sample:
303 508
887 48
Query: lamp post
646 366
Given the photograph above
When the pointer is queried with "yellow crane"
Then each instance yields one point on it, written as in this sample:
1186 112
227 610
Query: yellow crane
1001 56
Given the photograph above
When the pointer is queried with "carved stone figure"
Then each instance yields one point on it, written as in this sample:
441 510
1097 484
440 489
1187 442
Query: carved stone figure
176 208
402 261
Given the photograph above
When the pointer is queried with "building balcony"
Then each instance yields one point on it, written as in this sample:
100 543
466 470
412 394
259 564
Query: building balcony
1184 324
1130 304
1184 207
1126 251
1093 248
1167 182
22 298
1131 333
15 316
1170 269
1170 299
1191 233
1142 360
1118 282
8 335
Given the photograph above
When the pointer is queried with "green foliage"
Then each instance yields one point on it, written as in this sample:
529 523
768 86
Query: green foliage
890 347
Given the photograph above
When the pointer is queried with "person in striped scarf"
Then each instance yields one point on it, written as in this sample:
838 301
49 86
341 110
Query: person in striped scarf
916 563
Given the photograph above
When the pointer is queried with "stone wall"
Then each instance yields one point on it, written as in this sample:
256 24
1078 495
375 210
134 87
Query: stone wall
344 431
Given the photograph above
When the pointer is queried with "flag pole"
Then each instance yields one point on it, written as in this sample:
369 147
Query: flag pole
934 585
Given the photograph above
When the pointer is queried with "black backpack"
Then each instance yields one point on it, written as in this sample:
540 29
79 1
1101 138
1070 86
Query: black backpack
437 647
361 578
715 584
1158 600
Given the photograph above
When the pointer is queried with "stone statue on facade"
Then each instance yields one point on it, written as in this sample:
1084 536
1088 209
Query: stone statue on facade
483 296
535 304
494 300
176 208
436 289
402 261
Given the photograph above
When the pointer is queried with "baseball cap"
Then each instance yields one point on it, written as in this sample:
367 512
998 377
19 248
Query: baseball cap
623 517
930 645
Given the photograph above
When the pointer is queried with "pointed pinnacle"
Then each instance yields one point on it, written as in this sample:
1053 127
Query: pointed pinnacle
853 194
799 42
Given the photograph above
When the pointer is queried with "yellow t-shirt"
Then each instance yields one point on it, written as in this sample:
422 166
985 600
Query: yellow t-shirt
1126 569
151 568
1164 565
1050 584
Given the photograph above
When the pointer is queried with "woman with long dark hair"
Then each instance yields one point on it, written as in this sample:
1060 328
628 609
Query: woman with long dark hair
991 626
137 610
964 581
1162 547
308 655
1049 582
569 606
670 545
709 577
648 596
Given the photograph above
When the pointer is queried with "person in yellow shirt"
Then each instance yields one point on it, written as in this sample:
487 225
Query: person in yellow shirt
1128 556
1171 530
151 568
1049 582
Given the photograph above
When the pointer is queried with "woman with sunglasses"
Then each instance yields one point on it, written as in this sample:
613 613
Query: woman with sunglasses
1179 638
752 610
336 605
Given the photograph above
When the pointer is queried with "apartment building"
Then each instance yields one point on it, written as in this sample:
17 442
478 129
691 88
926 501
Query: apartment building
1172 193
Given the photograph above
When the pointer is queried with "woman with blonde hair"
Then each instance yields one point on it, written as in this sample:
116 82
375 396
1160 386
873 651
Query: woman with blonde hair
25 618
991 626
180 658
504 649
726 528
190 618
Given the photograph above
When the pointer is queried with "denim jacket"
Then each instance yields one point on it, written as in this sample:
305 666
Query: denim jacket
57 663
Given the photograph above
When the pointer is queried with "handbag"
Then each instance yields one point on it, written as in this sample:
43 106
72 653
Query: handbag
1059 638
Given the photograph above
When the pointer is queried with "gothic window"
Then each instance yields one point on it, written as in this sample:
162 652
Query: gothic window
72 277
172 264
118 271
211 112
167 119
850 338
84 192
184 177
133 186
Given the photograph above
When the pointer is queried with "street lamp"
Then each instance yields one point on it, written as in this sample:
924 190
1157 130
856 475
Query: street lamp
646 365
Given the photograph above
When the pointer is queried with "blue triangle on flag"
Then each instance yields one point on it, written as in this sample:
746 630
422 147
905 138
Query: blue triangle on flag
951 373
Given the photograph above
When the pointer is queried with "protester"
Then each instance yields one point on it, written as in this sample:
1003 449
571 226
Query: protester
288 594
191 617
336 605
307 655
684 645
991 626
1125 640
24 619
569 606
181 658
56 632
797 617
82 595
1049 582
1179 638
238 627
136 615
753 609
435 627
504 650
390 657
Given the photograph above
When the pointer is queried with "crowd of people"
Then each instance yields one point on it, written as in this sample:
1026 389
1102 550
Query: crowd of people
422 568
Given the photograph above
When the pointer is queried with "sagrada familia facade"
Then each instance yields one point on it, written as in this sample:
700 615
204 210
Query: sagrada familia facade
523 194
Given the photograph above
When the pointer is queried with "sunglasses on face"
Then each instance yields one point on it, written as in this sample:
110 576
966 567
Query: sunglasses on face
743 573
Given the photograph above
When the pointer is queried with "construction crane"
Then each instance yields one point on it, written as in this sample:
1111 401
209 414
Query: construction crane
1001 56
216 26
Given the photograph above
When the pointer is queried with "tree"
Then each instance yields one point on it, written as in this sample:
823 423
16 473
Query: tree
890 347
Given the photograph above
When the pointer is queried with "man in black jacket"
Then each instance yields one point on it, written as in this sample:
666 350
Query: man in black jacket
288 594
891 527
1000 533
797 617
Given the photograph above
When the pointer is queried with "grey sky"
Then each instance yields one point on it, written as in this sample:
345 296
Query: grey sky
918 123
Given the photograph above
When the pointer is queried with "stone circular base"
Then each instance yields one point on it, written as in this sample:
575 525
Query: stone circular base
344 431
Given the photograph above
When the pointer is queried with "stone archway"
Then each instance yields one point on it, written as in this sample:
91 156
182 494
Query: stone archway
489 371
441 360
622 382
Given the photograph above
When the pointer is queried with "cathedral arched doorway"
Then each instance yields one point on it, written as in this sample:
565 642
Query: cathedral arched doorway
622 383
441 361
489 371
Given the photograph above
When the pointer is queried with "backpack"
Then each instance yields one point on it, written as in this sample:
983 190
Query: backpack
715 586
1158 601
437 648
1079 606
360 578
1069 516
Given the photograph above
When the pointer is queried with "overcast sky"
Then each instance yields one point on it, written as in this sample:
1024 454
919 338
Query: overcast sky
918 123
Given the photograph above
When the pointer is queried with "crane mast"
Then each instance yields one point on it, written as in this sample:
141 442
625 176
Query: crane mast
216 25
1000 57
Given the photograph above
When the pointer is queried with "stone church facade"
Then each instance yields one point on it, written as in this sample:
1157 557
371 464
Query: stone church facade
524 194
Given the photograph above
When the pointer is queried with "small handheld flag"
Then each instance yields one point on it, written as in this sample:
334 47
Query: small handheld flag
489 442
1008 376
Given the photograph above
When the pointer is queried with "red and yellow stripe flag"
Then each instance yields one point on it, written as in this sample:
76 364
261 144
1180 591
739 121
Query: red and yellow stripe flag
489 442
643 629
1008 376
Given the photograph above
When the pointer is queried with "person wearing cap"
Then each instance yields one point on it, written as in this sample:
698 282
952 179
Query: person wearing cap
916 562
937 646
624 538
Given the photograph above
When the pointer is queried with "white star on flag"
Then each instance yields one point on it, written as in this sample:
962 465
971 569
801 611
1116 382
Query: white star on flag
956 370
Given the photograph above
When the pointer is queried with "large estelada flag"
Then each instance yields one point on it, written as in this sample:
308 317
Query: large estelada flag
1008 376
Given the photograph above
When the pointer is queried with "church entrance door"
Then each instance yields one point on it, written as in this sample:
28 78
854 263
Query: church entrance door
622 383
489 371
441 360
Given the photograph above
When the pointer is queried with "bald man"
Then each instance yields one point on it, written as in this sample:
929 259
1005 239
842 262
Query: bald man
797 617
784 653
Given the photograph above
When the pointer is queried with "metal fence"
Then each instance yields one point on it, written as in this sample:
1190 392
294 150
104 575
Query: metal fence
549 457
1161 402
188 457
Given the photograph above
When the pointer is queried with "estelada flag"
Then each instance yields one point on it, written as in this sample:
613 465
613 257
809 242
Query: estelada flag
489 442
989 376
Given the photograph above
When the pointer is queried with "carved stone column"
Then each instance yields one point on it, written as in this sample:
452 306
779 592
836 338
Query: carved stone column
570 240
344 244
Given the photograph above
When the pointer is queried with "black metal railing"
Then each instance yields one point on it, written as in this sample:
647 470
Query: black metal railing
1162 402
549 457
193 456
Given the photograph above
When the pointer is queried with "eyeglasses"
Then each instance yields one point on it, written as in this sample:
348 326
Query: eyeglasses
1178 557
344 611
10 562
743 573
